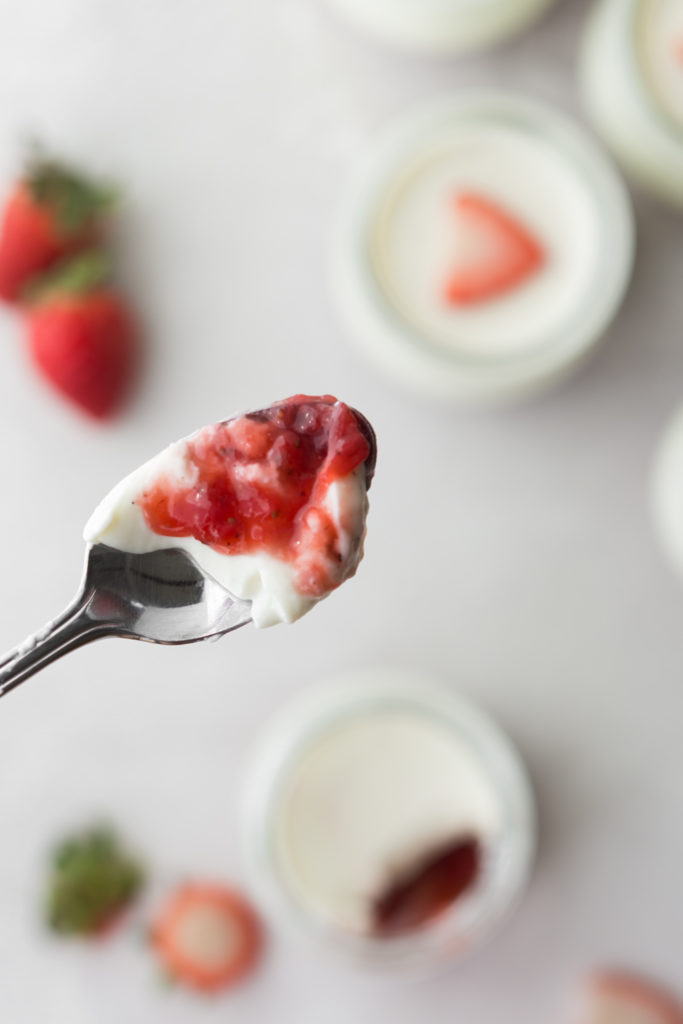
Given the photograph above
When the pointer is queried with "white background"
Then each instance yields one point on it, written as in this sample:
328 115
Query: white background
511 553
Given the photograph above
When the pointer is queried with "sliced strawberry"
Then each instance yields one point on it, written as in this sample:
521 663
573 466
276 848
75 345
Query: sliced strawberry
207 936
495 253
51 214
427 888
615 997
82 337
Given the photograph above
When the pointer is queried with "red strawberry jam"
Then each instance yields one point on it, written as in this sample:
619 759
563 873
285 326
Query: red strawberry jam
259 482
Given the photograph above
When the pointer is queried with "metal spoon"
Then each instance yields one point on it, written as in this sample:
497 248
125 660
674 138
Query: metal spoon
162 597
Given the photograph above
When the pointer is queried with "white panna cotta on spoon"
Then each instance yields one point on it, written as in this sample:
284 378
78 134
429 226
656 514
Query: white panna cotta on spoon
632 81
484 247
441 26
271 503
388 818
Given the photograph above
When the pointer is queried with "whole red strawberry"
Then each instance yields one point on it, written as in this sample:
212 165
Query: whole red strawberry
83 337
51 214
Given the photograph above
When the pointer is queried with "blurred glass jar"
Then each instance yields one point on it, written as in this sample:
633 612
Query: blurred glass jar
667 492
359 782
442 26
631 73
399 229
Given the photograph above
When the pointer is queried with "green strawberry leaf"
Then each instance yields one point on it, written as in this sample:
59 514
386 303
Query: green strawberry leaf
92 879
75 275
74 200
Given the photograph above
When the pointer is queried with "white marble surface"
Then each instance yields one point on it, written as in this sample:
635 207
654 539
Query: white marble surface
511 553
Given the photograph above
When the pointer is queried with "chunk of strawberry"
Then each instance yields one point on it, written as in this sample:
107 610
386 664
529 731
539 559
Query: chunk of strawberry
250 437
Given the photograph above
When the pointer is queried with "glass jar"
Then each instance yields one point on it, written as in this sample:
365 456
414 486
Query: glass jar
667 492
497 789
442 26
530 164
631 74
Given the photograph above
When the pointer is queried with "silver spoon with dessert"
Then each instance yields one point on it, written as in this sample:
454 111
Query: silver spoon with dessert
253 519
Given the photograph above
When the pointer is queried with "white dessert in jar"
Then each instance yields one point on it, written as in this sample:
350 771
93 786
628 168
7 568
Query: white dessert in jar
632 81
442 26
389 817
484 247
667 492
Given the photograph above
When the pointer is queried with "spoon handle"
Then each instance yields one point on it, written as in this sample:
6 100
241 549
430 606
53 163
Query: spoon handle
68 631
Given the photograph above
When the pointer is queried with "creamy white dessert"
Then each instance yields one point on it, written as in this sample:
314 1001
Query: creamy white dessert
484 248
442 26
386 815
632 81
418 234
368 801
271 504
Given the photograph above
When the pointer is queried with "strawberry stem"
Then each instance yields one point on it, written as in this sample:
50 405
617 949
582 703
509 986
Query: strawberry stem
92 879
73 199
78 275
